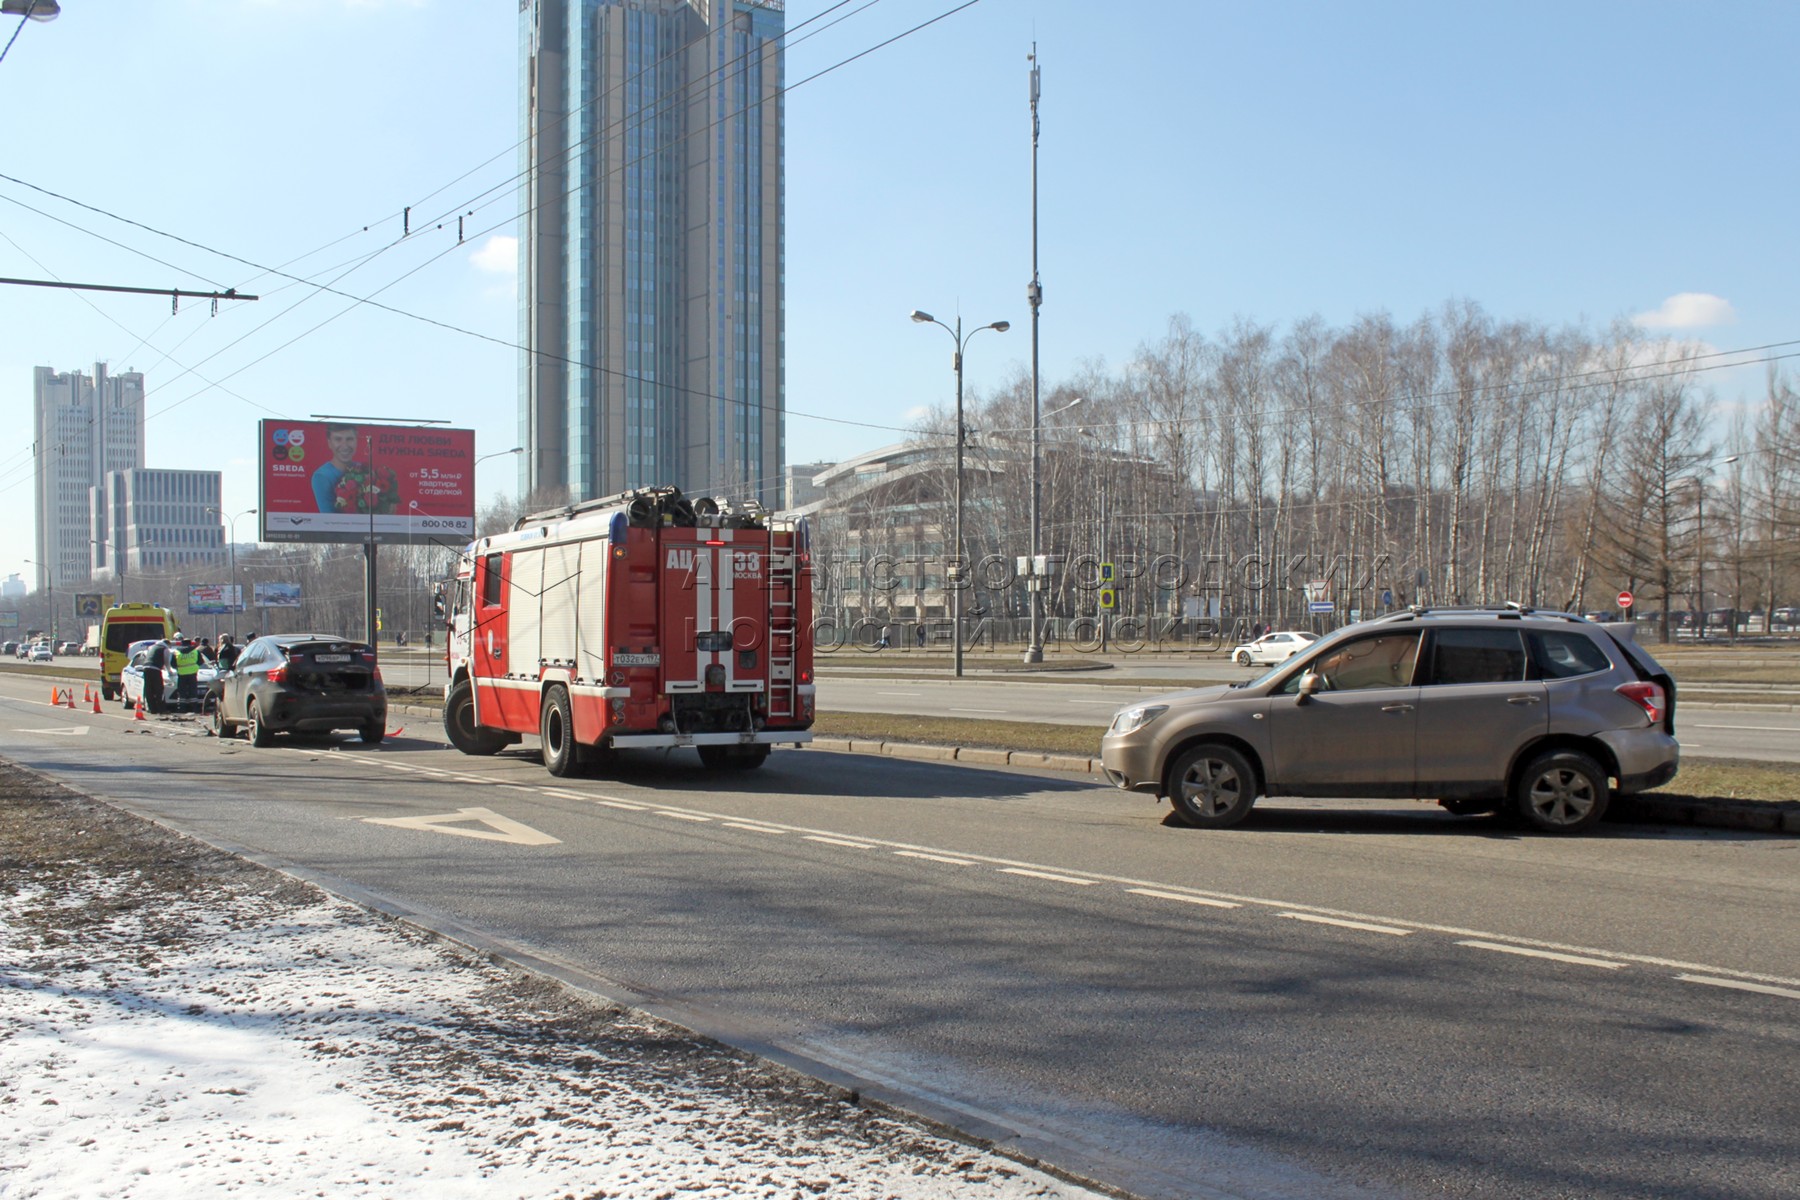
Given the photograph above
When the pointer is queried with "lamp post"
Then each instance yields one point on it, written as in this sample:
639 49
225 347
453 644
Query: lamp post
499 454
954 574
237 596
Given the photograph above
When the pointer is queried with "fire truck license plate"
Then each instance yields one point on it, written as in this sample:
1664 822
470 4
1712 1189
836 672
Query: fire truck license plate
637 660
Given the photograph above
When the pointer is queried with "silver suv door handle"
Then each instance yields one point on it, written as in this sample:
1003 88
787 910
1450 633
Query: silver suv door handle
1396 708
1523 699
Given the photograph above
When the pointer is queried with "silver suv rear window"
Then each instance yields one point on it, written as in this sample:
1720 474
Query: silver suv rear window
1562 655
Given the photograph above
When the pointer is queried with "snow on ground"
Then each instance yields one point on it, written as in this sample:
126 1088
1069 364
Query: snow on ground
216 1040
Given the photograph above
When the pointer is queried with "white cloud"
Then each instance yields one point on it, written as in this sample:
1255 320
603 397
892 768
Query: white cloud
1688 310
499 255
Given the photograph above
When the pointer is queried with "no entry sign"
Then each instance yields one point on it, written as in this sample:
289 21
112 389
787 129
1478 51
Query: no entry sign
1624 599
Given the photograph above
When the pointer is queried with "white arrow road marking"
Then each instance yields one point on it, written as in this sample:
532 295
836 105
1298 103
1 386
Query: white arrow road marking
67 731
499 828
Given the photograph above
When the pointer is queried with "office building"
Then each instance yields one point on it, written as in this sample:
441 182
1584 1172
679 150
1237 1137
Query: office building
83 428
651 272
146 520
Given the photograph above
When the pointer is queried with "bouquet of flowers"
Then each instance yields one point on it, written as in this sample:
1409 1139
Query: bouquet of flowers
365 489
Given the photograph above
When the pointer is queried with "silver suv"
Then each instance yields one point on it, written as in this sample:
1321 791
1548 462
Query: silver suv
1475 708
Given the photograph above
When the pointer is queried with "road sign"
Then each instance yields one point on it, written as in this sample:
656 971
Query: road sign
1624 599
1321 606
1108 597
1106 573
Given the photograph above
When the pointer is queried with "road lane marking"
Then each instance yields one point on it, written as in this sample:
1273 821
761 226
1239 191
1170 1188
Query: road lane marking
1156 895
511 787
681 816
942 858
982 710
496 828
1746 728
1578 959
1739 985
1365 926
1053 878
563 793
831 841
626 805
66 731
754 828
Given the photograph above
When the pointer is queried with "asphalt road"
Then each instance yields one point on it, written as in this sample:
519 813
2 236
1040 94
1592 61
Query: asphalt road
1333 1000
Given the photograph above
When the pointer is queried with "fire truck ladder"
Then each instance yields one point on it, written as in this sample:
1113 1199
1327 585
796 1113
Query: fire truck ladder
783 631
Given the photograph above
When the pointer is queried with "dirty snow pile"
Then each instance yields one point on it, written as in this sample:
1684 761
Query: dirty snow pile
180 1036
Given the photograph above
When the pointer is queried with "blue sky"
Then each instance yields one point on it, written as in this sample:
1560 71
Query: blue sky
1562 163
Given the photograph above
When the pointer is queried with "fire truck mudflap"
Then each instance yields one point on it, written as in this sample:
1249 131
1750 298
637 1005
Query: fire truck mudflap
641 621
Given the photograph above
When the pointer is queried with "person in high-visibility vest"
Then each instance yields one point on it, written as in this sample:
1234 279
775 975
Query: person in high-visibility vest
187 671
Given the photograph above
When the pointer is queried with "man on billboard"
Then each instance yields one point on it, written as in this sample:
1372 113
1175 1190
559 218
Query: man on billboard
325 480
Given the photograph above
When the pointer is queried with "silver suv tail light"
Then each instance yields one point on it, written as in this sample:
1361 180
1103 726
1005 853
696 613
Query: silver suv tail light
1649 696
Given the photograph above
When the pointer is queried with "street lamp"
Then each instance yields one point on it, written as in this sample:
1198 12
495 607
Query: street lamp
499 454
237 596
955 573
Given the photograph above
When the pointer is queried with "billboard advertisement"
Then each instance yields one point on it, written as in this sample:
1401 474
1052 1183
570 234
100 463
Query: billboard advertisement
211 599
344 481
92 604
9 620
278 595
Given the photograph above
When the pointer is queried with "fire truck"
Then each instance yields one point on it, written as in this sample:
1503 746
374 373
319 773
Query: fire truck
643 620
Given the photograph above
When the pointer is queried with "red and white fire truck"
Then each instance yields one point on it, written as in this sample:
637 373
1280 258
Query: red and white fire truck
641 620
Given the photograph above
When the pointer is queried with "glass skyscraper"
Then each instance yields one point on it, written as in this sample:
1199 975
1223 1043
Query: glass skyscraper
651 270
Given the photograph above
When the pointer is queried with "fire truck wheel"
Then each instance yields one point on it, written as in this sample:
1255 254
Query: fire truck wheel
556 729
460 726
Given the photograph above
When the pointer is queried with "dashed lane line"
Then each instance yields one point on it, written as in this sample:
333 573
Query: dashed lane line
1739 985
1580 960
681 816
754 828
1364 926
831 841
626 805
1201 900
938 858
1050 875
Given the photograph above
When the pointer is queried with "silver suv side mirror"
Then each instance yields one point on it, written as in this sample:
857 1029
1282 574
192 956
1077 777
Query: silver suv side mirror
1309 683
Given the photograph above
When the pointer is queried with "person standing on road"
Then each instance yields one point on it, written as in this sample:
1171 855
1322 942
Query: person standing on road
228 652
187 672
156 669
887 633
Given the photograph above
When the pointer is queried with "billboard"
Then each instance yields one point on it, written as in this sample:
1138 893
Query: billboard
341 481
92 604
278 595
211 599
9 620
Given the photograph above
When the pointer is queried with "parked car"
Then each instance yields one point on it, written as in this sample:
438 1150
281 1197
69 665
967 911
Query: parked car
69 648
9 649
1273 647
22 650
131 683
1479 709
42 653
301 682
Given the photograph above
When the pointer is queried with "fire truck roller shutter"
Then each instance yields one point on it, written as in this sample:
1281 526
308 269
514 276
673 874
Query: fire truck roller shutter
562 578
524 602
590 659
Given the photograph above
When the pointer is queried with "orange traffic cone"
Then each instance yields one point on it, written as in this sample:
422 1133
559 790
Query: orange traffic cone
55 697
138 712
95 694
87 693
69 698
